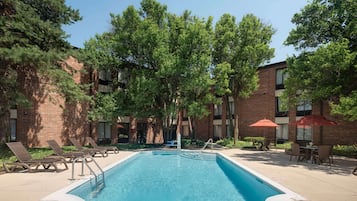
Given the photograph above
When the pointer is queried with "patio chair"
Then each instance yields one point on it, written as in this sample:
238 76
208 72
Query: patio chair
91 151
323 154
354 171
264 146
114 149
68 155
25 160
295 152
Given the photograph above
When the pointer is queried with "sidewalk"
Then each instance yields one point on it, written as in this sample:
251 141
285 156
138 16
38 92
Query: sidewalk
314 182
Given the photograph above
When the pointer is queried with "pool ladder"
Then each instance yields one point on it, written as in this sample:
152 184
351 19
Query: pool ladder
99 184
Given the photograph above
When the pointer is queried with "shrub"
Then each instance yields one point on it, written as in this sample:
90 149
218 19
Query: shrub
345 150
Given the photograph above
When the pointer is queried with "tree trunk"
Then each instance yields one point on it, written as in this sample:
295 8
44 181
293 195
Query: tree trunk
190 128
5 127
133 134
158 132
236 126
150 131
178 128
230 117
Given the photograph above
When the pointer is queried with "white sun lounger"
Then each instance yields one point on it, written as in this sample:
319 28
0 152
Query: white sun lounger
171 143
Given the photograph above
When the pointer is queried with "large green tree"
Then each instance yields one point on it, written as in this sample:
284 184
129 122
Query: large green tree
190 46
240 48
165 59
33 46
32 41
326 69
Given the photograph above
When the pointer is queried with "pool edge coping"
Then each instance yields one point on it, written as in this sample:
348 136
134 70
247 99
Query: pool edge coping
289 195
62 194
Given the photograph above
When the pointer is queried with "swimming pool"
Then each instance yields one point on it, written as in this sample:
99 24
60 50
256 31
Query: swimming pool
181 175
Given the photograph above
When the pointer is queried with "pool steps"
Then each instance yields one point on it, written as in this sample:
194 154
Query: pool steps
99 184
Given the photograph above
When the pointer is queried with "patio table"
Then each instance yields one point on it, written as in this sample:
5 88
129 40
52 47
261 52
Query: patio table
309 150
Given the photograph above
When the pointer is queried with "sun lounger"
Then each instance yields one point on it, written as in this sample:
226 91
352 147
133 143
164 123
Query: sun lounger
91 151
68 155
114 149
171 143
25 160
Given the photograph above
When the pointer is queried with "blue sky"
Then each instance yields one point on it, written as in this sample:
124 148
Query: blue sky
278 13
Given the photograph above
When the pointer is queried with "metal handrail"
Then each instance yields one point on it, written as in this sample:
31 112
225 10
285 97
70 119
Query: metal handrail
209 142
84 162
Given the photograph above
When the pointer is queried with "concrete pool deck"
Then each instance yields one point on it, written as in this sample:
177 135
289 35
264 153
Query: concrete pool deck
314 182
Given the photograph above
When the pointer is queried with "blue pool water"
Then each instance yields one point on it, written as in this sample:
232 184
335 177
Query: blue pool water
176 176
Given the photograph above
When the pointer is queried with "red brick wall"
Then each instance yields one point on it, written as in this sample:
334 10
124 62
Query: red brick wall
262 105
50 116
344 133
259 106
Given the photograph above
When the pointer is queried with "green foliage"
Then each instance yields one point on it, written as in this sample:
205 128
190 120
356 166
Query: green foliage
185 143
165 58
245 46
285 145
326 69
345 150
322 22
347 106
224 141
221 74
238 50
105 107
32 41
238 144
254 139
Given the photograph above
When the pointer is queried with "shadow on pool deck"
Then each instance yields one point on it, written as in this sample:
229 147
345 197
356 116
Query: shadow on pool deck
340 166
312 181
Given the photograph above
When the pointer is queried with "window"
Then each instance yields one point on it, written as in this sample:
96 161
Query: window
281 110
184 115
217 131
13 130
105 75
104 88
282 132
217 111
231 108
229 131
185 131
304 108
281 76
304 133
105 81
122 82
13 123
104 130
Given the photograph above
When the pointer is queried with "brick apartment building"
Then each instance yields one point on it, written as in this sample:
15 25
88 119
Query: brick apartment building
265 103
50 117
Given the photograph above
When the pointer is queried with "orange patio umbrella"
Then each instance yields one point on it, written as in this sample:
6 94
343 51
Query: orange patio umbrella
314 120
264 123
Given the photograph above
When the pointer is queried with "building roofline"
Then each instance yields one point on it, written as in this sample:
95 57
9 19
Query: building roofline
273 64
